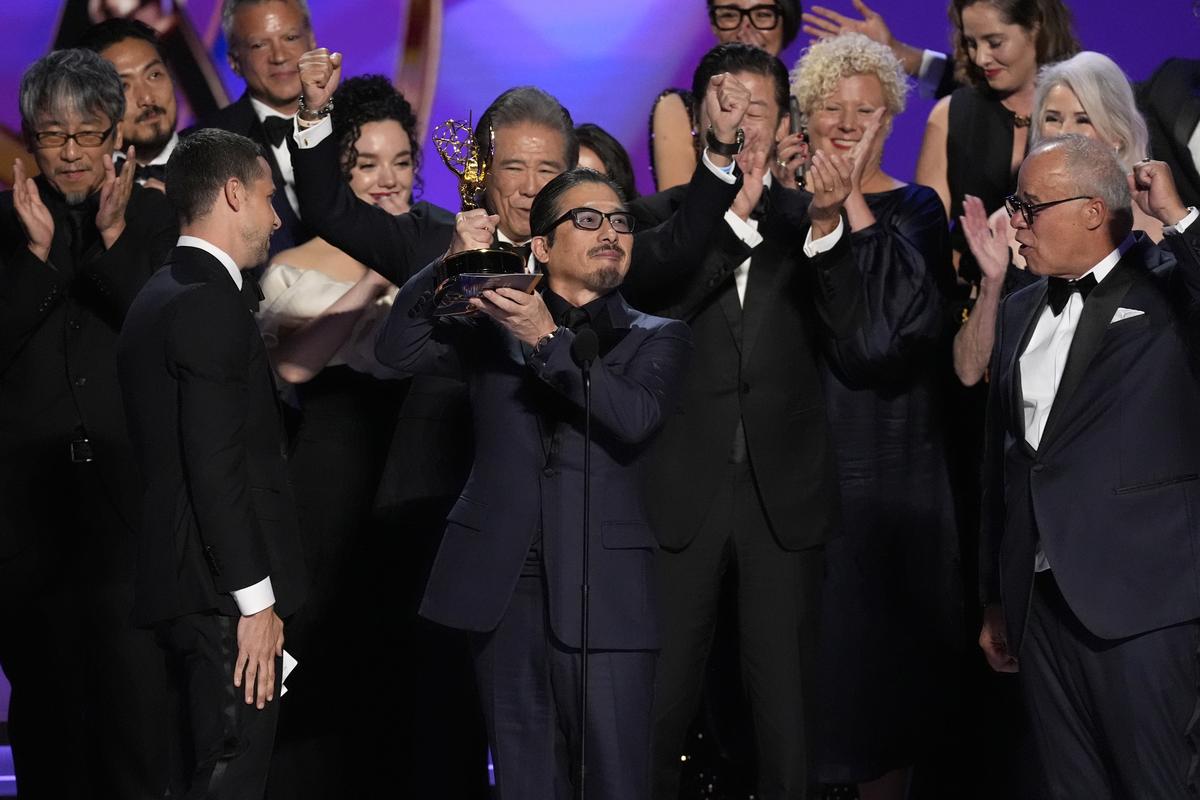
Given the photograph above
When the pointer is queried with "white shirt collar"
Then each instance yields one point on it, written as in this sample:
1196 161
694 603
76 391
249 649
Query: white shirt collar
220 255
262 110
1106 264
162 157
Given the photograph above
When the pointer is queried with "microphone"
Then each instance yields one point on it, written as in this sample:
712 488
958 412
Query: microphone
585 348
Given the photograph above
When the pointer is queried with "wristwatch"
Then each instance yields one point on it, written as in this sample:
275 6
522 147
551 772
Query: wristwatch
724 148
543 341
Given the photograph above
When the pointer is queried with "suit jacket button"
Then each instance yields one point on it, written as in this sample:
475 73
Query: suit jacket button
1038 467
548 472
74 324
81 381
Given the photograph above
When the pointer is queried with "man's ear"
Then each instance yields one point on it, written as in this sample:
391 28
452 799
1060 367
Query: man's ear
235 194
232 58
541 250
1095 213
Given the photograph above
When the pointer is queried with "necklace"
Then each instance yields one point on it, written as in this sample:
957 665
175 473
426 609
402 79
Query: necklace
1021 121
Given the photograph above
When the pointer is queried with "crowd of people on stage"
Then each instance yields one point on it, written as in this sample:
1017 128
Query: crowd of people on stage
839 422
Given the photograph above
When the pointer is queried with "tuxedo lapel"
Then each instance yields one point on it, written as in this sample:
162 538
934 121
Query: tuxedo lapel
1097 312
767 269
1013 367
1186 119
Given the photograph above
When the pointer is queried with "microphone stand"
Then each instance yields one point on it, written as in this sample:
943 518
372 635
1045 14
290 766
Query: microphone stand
584 350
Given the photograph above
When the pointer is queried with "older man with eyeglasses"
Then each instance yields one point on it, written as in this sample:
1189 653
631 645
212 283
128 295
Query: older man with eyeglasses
78 242
1088 548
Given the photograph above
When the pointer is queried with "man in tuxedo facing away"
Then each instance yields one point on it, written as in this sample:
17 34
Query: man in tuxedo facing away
1092 477
76 245
509 567
219 564
1170 101
742 477
132 47
266 39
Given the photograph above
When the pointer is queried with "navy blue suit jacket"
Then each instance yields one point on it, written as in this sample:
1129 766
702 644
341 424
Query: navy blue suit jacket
521 402
1113 490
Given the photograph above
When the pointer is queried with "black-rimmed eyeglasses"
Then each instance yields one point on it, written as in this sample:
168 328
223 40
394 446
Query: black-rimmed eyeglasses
589 219
728 18
47 139
1031 210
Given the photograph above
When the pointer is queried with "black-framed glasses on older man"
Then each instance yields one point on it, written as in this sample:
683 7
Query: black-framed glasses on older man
44 140
589 219
1031 210
727 18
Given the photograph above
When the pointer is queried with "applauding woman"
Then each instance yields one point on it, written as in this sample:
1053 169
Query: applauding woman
888 609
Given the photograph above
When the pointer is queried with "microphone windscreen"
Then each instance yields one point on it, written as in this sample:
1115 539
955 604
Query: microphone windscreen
586 347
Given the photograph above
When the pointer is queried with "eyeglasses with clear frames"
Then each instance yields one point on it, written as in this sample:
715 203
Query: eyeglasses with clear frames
589 219
44 140
1031 210
727 18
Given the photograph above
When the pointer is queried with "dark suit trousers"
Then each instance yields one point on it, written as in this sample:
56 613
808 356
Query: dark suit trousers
1112 718
88 687
778 599
224 745
529 687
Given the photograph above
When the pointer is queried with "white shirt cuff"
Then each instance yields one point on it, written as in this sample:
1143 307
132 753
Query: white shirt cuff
724 173
1183 224
825 243
743 230
929 76
254 599
312 136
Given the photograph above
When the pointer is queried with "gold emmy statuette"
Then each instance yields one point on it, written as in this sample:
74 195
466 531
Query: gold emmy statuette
465 275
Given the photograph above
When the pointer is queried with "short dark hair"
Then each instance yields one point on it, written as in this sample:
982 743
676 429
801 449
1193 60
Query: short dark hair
1055 37
789 14
545 206
739 57
104 35
532 105
75 79
201 164
229 8
372 98
612 154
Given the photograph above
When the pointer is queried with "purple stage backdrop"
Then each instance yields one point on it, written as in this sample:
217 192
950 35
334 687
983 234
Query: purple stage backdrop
605 61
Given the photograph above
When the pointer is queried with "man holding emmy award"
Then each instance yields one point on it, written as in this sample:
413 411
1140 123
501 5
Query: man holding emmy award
510 563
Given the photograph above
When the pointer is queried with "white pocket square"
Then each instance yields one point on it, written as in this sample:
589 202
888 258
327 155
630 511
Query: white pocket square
1126 313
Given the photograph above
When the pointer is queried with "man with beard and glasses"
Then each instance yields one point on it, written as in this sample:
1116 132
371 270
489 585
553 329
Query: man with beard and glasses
150 113
78 243
509 567
219 559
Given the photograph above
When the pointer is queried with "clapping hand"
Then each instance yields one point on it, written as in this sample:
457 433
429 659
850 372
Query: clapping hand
320 74
830 184
987 238
114 197
753 163
32 212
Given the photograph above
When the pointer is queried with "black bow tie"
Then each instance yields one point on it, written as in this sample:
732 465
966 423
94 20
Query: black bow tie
277 129
1060 291
145 172
251 291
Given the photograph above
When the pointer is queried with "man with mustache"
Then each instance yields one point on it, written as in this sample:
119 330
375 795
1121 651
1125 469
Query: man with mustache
150 113
78 243
510 564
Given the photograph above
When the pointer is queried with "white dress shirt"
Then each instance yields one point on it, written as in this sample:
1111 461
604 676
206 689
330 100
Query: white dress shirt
251 599
282 157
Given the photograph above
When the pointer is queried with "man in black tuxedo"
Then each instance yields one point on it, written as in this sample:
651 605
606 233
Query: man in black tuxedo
1170 101
510 564
742 477
1092 476
150 109
78 242
219 560
266 39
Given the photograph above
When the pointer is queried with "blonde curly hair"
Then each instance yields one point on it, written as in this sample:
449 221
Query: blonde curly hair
826 62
